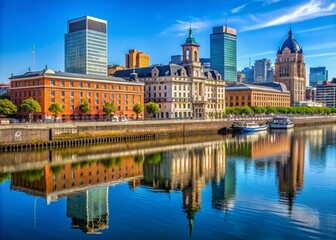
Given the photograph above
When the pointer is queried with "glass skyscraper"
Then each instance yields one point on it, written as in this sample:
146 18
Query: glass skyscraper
223 52
317 75
86 46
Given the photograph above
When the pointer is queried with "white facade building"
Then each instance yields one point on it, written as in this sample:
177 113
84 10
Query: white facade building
182 91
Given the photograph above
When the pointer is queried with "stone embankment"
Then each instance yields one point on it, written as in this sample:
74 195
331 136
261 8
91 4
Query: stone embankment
24 136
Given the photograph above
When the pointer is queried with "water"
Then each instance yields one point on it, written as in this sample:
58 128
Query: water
276 185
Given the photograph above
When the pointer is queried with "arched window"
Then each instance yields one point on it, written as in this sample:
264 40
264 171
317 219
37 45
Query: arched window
195 56
187 55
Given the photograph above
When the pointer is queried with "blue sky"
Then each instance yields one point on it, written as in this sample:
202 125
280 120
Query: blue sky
160 27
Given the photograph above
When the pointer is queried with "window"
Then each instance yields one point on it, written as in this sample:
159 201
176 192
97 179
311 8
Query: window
104 86
52 82
81 94
71 84
52 93
72 100
62 93
97 95
118 87
52 100
71 94
62 83
88 94
80 84
88 85
63 100
96 86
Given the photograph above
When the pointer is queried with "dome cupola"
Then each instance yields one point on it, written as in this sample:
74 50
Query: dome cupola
291 44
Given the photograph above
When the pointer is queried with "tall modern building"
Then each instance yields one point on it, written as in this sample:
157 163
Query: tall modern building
290 68
249 74
263 71
86 46
317 75
136 59
223 52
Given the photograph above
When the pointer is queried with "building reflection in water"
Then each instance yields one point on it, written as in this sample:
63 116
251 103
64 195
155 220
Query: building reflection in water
85 184
187 170
291 172
186 167
89 210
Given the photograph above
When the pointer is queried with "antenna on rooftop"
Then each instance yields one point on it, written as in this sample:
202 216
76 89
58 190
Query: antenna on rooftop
33 57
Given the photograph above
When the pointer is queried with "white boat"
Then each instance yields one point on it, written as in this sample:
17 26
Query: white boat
253 127
280 123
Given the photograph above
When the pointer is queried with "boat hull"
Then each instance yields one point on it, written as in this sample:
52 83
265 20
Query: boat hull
280 126
254 129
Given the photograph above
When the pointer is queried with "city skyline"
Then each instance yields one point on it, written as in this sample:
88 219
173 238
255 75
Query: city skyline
159 30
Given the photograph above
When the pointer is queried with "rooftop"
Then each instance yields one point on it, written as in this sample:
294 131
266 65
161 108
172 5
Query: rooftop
268 87
51 73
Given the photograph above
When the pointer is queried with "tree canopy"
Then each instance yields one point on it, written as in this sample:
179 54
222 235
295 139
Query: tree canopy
109 109
138 108
7 107
56 109
85 106
152 108
31 106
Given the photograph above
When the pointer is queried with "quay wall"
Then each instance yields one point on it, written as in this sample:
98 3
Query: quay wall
43 135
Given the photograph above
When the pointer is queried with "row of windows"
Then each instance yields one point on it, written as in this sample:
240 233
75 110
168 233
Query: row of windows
96 95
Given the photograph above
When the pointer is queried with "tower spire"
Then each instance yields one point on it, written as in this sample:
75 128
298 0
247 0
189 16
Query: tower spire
290 33
190 31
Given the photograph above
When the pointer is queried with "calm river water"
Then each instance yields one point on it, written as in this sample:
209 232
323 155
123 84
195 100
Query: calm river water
271 185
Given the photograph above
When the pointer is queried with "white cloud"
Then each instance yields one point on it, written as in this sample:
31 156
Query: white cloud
237 9
315 29
322 46
321 55
313 9
259 54
264 2
181 27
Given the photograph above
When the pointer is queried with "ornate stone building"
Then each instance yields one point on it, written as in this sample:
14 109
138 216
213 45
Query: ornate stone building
290 68
182 91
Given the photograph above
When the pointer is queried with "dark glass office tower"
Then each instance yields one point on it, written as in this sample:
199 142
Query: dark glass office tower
223 52
86 46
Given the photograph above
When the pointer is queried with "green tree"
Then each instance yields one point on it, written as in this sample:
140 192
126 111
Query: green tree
85 107
5 96
152 108
7 107
137 109
109 109
31 106
271 109
55 109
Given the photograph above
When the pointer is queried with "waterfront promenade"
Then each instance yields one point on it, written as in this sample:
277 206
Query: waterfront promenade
24 136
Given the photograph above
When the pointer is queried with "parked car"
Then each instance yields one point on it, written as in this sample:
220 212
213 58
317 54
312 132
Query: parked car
115 119
123 120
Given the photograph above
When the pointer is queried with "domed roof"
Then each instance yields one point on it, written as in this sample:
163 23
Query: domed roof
291 43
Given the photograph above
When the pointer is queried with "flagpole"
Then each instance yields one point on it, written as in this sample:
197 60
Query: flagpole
33 58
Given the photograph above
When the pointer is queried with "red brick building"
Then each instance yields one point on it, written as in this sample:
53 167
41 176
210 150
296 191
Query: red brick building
69 90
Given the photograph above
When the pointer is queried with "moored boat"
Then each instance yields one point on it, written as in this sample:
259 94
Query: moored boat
280 123
253 127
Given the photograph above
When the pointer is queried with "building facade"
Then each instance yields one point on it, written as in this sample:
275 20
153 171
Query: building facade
263 71
176 59
182 91
317 75
223 52
249 74
86 46
69 90
136 59
311 93
326 93
290 68
272 94
4 88
111 69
